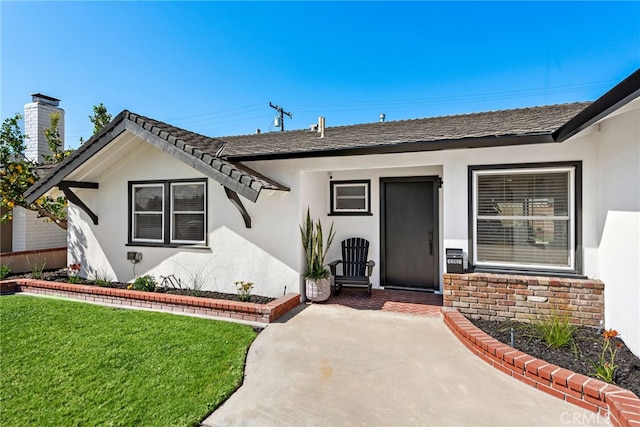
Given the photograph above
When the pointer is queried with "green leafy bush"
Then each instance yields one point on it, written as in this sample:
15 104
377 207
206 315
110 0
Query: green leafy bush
101 278
74 279
5 270
244 290
557 331
145 283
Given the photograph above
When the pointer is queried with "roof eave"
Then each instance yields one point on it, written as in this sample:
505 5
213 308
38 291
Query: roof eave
624 92
202 162
228 174
87 150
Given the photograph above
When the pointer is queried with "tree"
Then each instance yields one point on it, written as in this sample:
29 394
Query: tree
100 118
17 173
55 143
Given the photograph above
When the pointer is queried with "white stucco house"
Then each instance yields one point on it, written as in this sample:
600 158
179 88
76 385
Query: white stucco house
551 190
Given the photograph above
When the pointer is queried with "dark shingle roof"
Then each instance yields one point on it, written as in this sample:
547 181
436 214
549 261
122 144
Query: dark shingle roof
181 138
205 149
219 158
504 123
194 149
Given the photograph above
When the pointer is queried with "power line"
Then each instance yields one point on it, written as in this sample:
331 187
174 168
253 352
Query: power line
282 113
218 112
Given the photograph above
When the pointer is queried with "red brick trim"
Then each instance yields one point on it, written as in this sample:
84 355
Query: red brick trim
620 405
264 313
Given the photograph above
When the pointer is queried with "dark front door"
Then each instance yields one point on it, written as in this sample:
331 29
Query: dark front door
409 233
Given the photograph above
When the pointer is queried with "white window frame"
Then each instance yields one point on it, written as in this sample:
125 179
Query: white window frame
134 212
172 185
365 184
571 218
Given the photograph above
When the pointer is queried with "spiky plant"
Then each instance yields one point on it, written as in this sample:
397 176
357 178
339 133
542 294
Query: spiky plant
315 248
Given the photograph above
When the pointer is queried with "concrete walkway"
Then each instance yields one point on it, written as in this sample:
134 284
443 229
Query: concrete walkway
336 366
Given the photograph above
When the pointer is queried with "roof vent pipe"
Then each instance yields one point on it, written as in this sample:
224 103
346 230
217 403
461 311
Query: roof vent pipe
321 126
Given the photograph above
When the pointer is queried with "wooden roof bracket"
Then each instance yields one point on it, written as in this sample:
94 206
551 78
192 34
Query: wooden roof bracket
235 200
65 187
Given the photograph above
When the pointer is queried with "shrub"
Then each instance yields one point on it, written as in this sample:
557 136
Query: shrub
74 279
605 366
5 270
73 269
557 331
145 283
37 267
315 248
101 279
244 290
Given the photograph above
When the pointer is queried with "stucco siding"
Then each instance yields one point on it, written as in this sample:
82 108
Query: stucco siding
618 223
261 254
452 167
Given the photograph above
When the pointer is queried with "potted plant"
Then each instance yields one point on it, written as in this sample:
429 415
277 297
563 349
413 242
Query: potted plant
317 282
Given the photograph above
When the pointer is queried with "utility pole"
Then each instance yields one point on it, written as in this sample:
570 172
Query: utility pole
281 111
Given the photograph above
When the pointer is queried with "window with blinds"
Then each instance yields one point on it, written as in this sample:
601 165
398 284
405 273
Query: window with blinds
188 212
148 213
168 212
524 218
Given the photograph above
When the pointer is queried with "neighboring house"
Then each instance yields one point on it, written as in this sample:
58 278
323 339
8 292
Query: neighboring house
551 190
26 231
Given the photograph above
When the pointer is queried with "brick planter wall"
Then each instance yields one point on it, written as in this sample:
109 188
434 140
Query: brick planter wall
524 298
263 313
621 406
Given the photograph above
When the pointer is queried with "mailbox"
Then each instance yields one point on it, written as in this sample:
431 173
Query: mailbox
455 261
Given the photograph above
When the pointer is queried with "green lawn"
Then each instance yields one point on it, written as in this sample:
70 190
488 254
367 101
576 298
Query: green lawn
65 363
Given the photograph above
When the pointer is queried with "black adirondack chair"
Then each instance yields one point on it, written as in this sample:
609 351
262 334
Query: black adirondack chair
356 269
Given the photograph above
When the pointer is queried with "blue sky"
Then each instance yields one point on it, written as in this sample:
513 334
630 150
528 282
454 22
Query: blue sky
213 67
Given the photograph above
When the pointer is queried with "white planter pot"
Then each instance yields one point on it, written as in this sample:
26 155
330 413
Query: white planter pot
318 290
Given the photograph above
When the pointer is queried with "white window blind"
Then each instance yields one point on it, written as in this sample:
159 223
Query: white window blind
188 212
168 212
524 218
148 213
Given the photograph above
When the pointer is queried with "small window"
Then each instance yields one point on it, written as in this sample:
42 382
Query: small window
168 212
350 197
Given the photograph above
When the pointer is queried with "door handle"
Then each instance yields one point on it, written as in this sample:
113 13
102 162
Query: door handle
430 242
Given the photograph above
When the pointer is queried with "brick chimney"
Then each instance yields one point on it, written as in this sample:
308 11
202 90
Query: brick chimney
37 117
